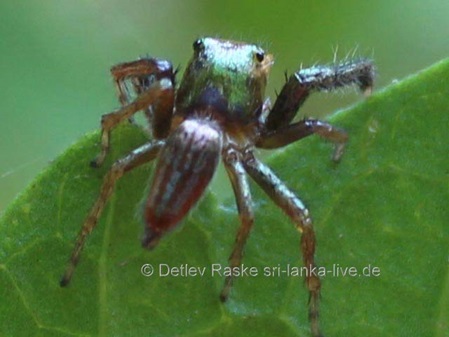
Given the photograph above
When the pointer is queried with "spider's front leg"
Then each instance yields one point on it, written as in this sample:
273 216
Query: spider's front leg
299 214
279 132
295 131
153 81
318 78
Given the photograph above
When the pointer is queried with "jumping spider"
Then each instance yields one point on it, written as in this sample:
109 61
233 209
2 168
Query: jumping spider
218 110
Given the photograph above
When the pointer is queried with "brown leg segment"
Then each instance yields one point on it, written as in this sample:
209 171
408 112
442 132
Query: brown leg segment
299 214
296 131
157 91
239 181
142 73
139 156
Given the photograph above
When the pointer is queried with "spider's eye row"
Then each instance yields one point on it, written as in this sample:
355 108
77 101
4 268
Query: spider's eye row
260 55
198 45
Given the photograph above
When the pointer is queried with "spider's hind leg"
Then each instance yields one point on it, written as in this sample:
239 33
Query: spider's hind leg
136 158
298 213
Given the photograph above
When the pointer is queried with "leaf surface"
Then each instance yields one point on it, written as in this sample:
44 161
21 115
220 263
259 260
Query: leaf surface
384 206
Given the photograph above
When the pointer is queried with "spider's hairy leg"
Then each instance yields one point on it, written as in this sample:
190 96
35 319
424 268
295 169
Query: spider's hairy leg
157 93
299 214
140 74
239 181
137 157
301 84
291 133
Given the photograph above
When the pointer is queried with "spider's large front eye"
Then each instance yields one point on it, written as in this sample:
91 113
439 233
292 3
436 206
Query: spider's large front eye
198 45
260 55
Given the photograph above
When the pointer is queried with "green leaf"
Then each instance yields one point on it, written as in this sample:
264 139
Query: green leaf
383 206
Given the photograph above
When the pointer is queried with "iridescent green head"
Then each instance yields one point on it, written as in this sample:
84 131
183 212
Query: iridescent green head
227 75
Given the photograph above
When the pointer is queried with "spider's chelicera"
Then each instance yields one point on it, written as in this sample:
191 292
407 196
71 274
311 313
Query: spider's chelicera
218 110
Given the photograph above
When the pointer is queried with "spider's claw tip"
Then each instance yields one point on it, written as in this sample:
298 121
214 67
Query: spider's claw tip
367 91
64 282
223 298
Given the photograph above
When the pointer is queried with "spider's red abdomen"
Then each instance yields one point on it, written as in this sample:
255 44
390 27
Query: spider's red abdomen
184 169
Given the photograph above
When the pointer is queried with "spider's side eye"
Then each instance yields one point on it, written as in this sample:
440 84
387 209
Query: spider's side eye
260 55
198 45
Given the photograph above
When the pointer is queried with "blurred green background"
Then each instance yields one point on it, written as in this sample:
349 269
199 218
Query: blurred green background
55 56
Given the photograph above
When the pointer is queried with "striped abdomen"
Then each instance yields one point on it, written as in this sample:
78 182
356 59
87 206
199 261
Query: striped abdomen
185 167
